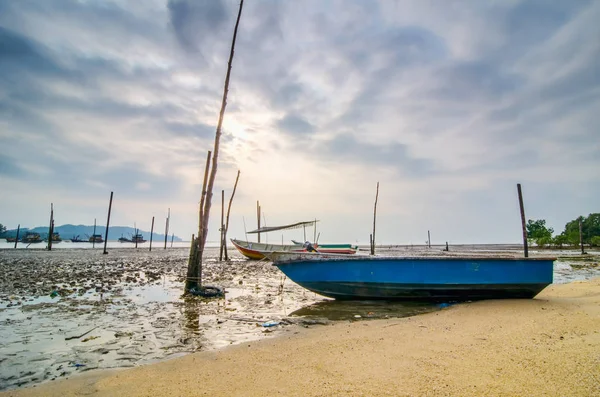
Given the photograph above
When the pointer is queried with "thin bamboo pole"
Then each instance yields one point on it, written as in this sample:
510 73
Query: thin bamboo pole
222 228
50 227
94 235
192 274
258 217
581 236
374 219
228 211
17 238
107 223
151 233
167 227
196 261
523 224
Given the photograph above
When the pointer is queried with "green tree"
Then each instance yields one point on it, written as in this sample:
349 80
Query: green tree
2 229
539 233
559 240
590 228
571 232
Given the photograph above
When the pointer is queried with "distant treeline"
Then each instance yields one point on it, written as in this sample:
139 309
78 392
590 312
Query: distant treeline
68 232
543 236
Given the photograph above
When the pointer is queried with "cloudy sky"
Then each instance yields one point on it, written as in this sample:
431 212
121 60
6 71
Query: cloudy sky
448 104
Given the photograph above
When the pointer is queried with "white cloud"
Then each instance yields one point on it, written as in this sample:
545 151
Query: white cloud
447 104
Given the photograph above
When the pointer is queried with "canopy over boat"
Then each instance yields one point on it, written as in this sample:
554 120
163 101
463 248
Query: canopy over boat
285 227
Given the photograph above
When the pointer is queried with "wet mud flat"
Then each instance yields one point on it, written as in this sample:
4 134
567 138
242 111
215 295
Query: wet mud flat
75 310
70 311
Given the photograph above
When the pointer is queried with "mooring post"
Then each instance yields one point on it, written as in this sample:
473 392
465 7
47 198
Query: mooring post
50 227
172 237
374 218
18 230
136 236
428 239
227 218
151 232
107 223
94 235
167 227
222 228
581 236
523 224
258 217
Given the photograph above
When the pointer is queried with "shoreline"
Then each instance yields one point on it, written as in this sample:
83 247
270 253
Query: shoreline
544 346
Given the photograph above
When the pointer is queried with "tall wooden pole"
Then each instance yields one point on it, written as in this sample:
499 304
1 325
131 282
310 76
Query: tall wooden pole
258 217
18 230
172 238
205 211
428 239
374 219
94 235
222 228
50 228
107 223
523 223
581 236
194 272
151 233
167 227
136 236
229 210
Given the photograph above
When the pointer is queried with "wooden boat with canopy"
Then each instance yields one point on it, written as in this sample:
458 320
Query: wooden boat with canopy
257 250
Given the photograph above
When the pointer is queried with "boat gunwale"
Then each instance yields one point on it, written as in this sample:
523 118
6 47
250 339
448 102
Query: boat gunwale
306 257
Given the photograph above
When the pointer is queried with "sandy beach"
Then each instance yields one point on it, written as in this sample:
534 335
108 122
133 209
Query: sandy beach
547 346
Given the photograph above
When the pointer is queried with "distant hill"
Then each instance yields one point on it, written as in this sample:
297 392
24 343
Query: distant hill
67 232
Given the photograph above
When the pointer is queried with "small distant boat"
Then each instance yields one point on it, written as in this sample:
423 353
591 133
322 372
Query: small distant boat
96 238
124 239
76 239
11 239
31 238
138 238
55 238
434 278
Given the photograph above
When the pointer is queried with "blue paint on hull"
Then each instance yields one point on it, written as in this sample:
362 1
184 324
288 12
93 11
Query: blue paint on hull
422 278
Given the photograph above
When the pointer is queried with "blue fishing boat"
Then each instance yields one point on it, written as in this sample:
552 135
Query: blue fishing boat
432 278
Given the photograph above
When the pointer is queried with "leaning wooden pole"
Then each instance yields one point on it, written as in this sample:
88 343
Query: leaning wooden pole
222 227
581 236
227 218
50 227
215 160
151 233
523 223
167 227
94 235
374 219
17 238
193 264
258 218
107 223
